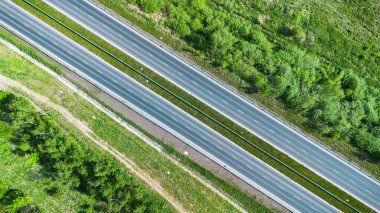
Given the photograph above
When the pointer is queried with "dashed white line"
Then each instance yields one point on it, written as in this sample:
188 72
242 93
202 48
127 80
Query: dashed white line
159 109
114 80
271 130
224 101
106 26
90 16
287 140
134 44
149 54
218 147
174 118
336 171
352 181
165 64
256 121
241 112
179 73
55 43
368 191
265 177
75 7
195 83
319 160
304 151
40 34
120 35
144 99
210 92
203 138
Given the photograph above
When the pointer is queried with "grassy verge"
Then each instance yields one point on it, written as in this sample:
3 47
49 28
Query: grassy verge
157 30
187 190
198 104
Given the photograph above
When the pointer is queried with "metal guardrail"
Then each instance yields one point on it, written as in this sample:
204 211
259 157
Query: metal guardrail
196 109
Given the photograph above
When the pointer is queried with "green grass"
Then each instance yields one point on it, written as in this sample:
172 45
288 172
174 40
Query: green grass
19 173
191 194
198 104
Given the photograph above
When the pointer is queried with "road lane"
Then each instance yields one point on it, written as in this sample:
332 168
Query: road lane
223 100
171 118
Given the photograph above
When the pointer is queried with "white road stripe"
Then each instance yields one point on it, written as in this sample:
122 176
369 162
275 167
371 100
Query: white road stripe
304 151
90 16
271 130
352 181
287 140
368 191
256 121
224 101
319 160
149 54
179 73
120 35
336 171
195 83
165 64
159 109
240 111
75 7
210 92
114 80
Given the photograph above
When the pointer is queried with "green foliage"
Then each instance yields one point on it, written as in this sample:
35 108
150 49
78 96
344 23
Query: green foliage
14 200
150 6
70 165
287 60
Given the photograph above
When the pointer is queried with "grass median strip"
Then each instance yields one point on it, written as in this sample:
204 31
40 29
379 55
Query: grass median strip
186 189
196 103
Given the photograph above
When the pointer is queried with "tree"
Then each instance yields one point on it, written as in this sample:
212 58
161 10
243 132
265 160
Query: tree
151 6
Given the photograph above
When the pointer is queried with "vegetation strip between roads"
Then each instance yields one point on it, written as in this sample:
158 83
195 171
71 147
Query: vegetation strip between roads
265 152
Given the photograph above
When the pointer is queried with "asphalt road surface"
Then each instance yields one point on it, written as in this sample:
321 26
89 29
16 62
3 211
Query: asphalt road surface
160 111
246 114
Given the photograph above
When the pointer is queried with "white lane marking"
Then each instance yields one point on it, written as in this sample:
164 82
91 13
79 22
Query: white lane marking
165 64
304 151
295 196
281 187
149 54
336 171
189 128
368 191
55 43
75 7
265 177
134 44
203 138
26 25
218 147
195 83
210 92
352 181
287 140
174 118
256 121
114 80
90 16
106 26
179 73
234 157
144 99
271 130
240 111
159 109
69 52
40 34
319 160
224 101
120 35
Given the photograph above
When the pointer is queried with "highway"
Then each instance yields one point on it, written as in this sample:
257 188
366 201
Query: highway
160 111
226 102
